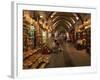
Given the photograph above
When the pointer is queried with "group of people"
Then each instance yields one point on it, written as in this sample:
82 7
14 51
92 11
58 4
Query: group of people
58 40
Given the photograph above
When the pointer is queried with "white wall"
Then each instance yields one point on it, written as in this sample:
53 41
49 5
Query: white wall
5 39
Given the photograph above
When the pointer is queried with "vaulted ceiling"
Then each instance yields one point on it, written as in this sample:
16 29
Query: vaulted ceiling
60 19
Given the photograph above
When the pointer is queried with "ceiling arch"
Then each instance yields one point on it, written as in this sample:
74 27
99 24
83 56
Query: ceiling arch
61 22
69 18
70 22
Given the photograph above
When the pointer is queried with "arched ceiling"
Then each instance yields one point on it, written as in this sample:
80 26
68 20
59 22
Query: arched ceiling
56 19
61 21
68 19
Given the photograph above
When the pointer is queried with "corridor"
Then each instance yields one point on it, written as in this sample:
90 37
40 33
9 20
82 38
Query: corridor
56 39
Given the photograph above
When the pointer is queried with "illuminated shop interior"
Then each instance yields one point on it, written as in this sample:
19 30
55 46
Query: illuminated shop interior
56 39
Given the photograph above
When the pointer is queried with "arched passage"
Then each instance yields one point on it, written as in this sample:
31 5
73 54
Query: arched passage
59 39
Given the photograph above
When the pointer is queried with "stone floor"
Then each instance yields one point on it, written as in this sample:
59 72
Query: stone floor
69 57
65 56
